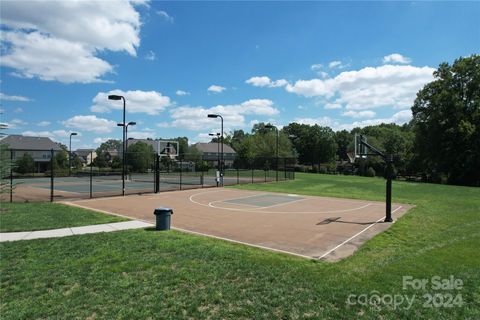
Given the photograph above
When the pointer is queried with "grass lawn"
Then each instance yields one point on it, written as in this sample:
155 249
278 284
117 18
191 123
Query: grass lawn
141 274
46 215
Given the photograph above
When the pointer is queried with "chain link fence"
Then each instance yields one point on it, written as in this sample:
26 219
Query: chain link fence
54 176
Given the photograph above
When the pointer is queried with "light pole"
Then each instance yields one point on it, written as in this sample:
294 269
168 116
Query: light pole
131 123
116 97
70 154
218 150
270 126
221 141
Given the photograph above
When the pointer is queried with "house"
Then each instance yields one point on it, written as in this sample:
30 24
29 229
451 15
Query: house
86 156
210 153
39 148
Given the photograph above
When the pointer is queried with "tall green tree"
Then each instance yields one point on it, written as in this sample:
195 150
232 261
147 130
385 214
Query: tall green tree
446 116
140 157
25 164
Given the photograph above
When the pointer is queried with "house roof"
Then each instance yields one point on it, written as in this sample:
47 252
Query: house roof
19 142
83 152
212 147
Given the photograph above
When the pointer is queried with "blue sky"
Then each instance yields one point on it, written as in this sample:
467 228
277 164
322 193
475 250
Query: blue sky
337 64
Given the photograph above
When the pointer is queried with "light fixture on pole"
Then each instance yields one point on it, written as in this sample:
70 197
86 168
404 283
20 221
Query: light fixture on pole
221 141
70 154
270 126
117 97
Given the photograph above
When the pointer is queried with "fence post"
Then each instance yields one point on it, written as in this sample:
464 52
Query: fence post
157 173
91 174
51 174
11 175
238 175
285 167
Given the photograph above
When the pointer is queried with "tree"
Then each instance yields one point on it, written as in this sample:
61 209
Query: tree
5 168
140 157
344 140
446 118
108 145
25 164
60 160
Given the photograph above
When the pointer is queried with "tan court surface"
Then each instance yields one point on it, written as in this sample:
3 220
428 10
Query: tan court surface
308 226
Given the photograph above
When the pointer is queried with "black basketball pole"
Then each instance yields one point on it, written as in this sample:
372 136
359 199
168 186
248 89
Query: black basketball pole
388 158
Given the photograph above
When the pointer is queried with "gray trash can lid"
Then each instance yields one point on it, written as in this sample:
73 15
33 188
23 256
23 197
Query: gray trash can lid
162 210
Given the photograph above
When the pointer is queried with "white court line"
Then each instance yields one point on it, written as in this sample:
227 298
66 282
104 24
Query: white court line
242 242
210 204
192 232
257 211
354 236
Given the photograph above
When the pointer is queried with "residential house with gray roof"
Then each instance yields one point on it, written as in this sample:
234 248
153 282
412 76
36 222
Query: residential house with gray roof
39 148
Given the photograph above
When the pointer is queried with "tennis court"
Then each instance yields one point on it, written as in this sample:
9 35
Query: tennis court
81 187
306 226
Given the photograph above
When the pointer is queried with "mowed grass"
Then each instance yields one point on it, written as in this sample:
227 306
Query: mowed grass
141 274
45 215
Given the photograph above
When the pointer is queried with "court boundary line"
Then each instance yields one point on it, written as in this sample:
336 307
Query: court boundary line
194 232
274 212
354 236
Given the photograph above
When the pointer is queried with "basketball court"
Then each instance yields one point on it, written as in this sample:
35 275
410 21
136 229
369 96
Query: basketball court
307 226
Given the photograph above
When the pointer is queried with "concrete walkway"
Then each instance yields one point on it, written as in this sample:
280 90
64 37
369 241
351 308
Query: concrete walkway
65 232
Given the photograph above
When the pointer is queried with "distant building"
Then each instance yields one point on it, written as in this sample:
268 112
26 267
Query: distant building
210 153
86 156
39 148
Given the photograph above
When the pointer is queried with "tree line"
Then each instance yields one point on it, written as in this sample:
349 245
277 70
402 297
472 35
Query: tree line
440 144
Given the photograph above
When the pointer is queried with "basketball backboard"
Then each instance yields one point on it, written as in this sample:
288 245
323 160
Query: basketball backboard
168 148
361 150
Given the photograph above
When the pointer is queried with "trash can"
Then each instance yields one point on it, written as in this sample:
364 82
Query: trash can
163 217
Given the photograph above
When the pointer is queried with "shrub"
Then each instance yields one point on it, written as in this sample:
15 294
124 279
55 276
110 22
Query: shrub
370 172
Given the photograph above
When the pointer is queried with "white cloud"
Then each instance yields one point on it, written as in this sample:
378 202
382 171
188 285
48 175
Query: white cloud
100 140
55 135
359 114
202 137
90 123
37 55
195 118
141 134
399 118
13 98
216 89
43 123
264 81
368 88
317 66
18 110
335 64
16 123
59 40
333 106
182 93
165 16
150 56
396 58
149 102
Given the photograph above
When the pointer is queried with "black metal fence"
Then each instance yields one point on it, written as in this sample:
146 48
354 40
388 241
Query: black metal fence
53 176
